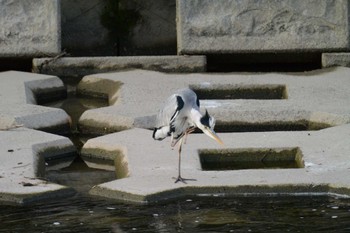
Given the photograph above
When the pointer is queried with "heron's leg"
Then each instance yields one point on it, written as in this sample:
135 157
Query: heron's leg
180 149
188 131
179 178
171 138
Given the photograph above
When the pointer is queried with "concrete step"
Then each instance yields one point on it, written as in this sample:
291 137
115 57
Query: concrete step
81 66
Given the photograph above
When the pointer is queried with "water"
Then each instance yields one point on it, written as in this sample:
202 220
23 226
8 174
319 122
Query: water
79 176
83 213
75 106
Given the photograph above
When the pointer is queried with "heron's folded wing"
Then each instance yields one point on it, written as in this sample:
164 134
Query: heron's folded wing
168 112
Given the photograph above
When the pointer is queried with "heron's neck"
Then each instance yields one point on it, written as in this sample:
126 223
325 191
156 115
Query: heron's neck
196 117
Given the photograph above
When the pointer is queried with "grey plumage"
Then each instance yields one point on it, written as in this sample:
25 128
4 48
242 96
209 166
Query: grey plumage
174 118
179 116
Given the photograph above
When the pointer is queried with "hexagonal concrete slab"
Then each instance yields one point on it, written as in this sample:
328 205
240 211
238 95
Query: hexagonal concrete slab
20 92
22 168
145 167
311 100
23 150
305 103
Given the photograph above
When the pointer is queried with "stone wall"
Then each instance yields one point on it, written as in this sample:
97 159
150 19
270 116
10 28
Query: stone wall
81 27
231 26
265 31
84 34
30 28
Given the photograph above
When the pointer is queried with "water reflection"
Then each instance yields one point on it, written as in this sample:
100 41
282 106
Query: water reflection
83 213
79 176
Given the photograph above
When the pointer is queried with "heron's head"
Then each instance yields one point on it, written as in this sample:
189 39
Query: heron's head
207 124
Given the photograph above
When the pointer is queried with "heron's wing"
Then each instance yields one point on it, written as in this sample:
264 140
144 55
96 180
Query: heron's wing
169 111
166 117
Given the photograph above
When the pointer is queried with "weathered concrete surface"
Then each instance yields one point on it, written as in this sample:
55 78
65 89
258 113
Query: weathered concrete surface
229 26
81 66
19 94
82 30
146 167
312 100
22 167
335 59
24 151
83 34
30 28
156 31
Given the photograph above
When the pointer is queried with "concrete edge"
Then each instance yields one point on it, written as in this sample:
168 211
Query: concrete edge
23 188
335 59
225 190
31 197
99 88
88 125
81 66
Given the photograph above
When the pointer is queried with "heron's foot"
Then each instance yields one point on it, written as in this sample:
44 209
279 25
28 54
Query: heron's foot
183 180
190 130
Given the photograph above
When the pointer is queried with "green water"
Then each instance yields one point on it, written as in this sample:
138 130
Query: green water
216 214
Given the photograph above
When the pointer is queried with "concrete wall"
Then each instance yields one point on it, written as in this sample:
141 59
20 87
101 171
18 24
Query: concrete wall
258 28
83 33
250 26
29 28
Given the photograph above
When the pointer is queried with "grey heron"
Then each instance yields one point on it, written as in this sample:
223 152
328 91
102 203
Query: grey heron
179 117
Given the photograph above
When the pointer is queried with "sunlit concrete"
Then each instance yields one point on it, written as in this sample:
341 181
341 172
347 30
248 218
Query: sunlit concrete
151 165
24 150
145 167
22 165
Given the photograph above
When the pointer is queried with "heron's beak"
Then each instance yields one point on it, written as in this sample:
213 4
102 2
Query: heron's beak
211 133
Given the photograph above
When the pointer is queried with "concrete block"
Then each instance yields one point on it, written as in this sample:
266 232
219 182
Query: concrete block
22 167
335 59
311 100
30 28
20 92
81 66
144 161
248 26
